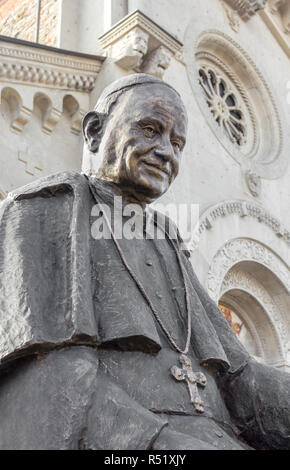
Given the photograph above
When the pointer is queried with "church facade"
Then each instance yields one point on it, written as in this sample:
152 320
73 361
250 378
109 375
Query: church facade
229 60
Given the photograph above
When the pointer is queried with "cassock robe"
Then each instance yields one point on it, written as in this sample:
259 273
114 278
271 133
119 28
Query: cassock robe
68 299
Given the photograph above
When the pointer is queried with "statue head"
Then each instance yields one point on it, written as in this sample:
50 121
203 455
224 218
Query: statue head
138 127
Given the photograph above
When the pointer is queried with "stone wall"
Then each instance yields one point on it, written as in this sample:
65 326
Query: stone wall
18 20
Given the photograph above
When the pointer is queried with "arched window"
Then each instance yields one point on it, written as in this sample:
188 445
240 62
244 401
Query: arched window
241 329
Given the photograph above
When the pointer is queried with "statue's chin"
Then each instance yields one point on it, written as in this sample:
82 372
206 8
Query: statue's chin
141 188
151 188
149 195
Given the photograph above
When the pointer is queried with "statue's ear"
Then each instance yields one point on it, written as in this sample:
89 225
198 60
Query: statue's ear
93 126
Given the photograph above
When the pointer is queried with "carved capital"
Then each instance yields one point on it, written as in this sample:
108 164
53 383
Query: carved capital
131 49
246 8
157 62
136 43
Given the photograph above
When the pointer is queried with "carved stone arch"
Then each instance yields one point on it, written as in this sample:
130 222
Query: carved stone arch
46 112
241 250
245 272
229 301
72 109
244 210
258 310
19 114
233 220
12 97
70 104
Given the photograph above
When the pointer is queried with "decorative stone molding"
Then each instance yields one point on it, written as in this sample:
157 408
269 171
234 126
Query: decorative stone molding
43 107
240 280
227 277
73 109
246 8
76 121
19 114
264 151
31 162
254 183
21 119
282 9
232 16
239 250
131 49
21 63
48 113
51 120
136 41
243 209
277 17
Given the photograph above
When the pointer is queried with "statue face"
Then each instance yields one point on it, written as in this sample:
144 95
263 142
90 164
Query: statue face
143 141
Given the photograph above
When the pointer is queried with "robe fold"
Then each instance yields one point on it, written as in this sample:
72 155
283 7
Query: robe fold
80 329
47 298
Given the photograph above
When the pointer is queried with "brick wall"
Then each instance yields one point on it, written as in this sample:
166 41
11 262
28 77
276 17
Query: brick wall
18 20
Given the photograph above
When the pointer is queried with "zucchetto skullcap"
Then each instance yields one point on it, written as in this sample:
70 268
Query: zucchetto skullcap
127 82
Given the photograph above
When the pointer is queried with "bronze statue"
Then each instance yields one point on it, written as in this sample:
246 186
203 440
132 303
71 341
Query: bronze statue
112 343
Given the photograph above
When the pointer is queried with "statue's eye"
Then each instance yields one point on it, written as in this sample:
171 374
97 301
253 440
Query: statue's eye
149 132
176 145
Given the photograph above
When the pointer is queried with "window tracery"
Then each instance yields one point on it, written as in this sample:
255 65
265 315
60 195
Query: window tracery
223 104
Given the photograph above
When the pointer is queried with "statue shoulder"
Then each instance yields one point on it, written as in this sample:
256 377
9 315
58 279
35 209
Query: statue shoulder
69 183
52 185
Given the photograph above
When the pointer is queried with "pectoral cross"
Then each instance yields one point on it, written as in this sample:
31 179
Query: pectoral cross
192 379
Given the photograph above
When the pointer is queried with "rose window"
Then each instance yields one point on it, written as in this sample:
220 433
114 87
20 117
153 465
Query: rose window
223 105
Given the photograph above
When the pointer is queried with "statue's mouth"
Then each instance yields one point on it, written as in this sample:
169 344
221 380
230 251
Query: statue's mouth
157 167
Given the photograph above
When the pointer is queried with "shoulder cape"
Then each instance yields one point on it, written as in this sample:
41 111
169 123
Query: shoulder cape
46 298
